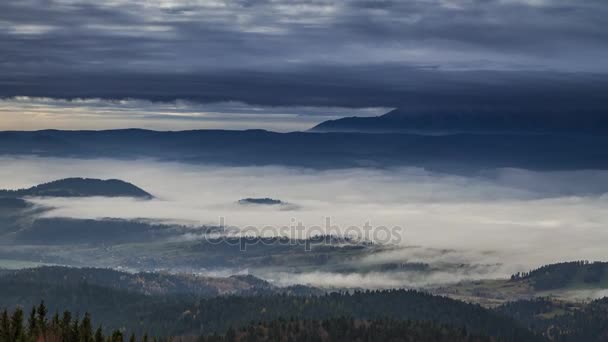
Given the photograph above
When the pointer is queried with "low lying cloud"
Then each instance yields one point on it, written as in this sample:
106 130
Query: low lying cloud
516 219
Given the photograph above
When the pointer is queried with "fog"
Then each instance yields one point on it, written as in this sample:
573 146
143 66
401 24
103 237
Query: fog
497 221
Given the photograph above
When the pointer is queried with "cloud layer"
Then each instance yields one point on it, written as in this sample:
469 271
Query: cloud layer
192 35
506 220
352 53
26 113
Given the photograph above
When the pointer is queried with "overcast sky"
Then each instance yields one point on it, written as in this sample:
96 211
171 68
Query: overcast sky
307 53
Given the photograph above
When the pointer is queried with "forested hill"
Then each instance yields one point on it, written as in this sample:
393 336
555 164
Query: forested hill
146 283
41 325
365 305
80 187
562 321
347 330
182 314
567 274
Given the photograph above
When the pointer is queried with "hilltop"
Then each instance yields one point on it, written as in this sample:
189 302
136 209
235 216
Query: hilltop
80 187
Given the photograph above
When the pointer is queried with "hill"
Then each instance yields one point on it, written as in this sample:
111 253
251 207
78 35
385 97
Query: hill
118 301
42 325
146 283
346 329
80 187
482 121
260 201
574 281
562 321
472 151
575 274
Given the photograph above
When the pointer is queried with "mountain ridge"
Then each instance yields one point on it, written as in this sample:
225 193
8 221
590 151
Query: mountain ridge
463 151
468 121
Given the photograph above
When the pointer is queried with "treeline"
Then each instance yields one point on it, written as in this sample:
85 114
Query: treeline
564 274
178 315
346 330
37 327
218 314
562 321
589 324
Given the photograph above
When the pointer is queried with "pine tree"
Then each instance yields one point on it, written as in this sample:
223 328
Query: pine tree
5 327
66 322
117 336
99 335
75 330
230 335
42 311
17 331
55 323
32 323
86 329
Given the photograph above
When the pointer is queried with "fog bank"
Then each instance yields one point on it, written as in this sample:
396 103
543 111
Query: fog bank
516 219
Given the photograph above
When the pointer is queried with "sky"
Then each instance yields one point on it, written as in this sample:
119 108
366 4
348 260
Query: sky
309 58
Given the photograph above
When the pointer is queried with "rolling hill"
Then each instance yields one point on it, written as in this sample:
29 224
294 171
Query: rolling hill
80 187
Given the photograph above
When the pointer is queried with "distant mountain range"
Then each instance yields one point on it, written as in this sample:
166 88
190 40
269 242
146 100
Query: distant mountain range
438 122
462 151
80 187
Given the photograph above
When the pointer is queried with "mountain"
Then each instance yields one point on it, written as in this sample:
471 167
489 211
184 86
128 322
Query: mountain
13 203
566 281
562 321
80 187
575 274
437 122
165 304
460 152
146 283
347 329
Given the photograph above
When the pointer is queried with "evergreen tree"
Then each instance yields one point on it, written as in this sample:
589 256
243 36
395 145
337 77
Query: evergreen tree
99 335
86 329
42 311
17 331
66 322
75 330
230 335
116 336
5 327
55 322
32 323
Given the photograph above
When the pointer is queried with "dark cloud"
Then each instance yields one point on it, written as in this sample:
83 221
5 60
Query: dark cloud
308 52
355 86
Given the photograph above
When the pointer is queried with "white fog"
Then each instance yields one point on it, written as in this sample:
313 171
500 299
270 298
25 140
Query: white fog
512 219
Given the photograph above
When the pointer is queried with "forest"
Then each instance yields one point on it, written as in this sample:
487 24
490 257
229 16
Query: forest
68 327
